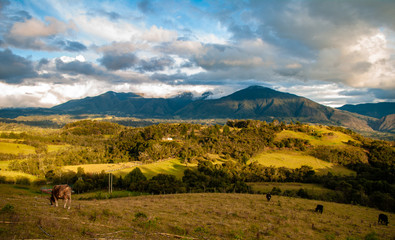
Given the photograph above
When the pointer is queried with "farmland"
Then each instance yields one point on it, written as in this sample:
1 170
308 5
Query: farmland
242 156
185 216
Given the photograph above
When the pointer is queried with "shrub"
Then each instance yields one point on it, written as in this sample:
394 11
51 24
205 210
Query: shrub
8 208
23 181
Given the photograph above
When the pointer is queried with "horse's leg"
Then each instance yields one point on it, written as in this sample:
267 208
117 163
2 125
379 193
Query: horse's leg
65 202
70 202
56 201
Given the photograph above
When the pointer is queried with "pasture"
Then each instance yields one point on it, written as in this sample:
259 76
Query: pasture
170 166
329 138
13 176
294 159
25 213
16 148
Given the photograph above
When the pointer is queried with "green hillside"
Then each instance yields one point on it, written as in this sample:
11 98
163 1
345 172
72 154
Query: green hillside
185 216
189 157
292 159
15 148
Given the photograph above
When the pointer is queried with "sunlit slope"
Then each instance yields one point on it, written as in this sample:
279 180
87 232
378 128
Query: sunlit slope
15 148
170 166
186 216
294 159
327 137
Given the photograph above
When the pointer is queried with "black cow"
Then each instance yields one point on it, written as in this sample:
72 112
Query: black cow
383 219
268 196
319 208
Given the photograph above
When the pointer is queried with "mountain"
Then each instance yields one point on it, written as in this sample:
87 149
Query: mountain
254 102
125 104
387 123
258 102
376 110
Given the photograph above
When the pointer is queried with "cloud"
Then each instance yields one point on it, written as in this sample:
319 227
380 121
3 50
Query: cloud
42 62
383 94
117 61
14 69
35 34
109 14
36 28
20 16
155 34
145 6
155 64
77 67
71 46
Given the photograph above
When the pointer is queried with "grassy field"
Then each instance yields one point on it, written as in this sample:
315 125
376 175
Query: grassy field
13 175
294 159
16 148
171 166
25 213
336 139
55 148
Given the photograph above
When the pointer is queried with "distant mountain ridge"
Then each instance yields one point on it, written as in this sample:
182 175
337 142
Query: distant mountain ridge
255 102
376 110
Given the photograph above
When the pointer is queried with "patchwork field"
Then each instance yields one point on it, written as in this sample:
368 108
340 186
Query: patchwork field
185 216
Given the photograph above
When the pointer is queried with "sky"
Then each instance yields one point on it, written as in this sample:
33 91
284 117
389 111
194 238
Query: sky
333 52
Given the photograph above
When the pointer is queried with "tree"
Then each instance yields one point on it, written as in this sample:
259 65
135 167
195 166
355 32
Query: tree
79 185
136 180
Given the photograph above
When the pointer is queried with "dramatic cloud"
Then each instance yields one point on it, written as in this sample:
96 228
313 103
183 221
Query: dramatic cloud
13 68
117 61
333 52
34 34
76 67
155 64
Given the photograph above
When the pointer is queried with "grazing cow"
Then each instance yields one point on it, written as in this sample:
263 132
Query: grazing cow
319 208
383 219
268 196
61 192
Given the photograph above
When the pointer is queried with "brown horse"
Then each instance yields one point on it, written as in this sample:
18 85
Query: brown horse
61 192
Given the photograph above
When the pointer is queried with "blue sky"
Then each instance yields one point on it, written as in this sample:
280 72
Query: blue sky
333 52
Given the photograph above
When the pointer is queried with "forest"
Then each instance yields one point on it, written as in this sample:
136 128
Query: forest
202 146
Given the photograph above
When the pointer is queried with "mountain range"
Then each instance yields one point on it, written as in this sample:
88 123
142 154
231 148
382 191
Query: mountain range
254 102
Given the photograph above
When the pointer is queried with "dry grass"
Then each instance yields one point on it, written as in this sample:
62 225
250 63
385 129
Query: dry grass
186 216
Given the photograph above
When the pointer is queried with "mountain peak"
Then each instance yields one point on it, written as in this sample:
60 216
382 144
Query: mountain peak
258 92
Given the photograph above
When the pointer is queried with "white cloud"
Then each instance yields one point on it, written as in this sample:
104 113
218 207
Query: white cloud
155 34
368 62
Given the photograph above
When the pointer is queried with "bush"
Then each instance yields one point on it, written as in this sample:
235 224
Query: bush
276 191
39 182
8 208
22 181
